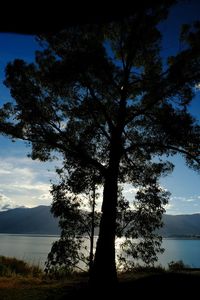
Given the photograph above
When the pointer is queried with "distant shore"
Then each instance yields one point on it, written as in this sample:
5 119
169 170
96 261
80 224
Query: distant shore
182 237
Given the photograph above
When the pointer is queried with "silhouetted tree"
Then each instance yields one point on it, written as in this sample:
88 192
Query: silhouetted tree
105 100
139 226
78 219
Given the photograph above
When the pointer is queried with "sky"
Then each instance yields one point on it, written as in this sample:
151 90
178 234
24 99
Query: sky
24 182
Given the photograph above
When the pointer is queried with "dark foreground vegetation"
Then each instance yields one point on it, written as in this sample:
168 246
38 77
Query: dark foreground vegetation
21 281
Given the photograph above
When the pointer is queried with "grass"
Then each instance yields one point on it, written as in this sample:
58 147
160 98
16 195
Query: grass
21 282
10 266
20 288
144 286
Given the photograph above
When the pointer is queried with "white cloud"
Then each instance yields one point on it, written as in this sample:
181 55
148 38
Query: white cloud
190 200
6 203
197 86
25 182
130 190
178 198
184 204
169 206
3 172
185 199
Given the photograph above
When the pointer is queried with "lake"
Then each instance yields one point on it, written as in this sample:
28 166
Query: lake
30 248
34 249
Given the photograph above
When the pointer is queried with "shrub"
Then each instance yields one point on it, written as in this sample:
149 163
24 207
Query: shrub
11 266
177 265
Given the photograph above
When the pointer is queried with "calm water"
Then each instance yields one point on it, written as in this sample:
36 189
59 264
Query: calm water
186 250
30 248
34 249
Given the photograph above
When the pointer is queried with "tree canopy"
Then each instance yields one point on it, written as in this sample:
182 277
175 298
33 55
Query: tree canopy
104 98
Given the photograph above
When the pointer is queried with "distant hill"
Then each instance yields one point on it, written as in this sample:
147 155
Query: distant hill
37 220
181 225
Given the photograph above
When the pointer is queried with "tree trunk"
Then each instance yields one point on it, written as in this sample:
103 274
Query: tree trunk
104 268
104 271
91 258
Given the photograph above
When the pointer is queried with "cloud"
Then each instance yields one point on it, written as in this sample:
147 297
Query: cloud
184 204
5 207
6 203
197 86
4 172
130 190
186 199
25 182
169 206
190 200
177 198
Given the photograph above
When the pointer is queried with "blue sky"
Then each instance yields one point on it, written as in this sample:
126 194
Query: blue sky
24 182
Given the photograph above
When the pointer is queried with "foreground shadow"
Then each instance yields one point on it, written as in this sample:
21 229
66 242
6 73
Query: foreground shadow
155 286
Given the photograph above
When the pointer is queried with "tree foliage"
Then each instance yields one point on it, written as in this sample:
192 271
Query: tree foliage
139 227
78 220
104 98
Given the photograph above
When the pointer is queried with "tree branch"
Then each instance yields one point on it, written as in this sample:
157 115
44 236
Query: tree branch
183 152
124 227
102 107
169 147
52 141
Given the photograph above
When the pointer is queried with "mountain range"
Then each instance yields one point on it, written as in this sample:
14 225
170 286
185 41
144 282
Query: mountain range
181 226
36 220
39 220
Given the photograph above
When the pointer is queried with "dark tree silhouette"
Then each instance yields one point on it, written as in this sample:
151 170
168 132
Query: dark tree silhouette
103 98
139 226
78 219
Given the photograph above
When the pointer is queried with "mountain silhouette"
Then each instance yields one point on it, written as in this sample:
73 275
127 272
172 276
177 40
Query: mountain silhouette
39 220
181 225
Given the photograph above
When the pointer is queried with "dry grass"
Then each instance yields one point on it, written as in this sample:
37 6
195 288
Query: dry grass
142 282
137 284
22 288
10 266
